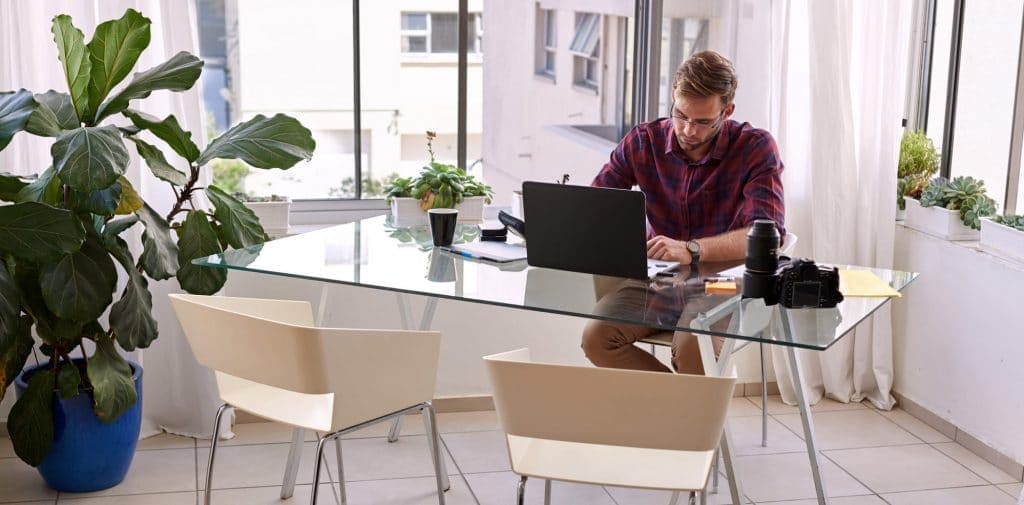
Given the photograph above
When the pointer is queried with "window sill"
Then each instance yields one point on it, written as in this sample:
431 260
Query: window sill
586 88
545 77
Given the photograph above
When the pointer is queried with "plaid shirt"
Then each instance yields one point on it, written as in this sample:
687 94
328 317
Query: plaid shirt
738 181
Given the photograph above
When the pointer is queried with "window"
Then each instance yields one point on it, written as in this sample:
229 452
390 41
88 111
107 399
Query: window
585 48
438 32
546 41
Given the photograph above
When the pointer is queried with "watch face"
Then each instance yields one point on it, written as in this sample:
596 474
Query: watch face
693 247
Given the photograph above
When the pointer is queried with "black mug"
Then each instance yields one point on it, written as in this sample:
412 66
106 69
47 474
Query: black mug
442 225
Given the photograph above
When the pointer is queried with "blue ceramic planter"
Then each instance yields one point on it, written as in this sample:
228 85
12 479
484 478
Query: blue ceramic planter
88 454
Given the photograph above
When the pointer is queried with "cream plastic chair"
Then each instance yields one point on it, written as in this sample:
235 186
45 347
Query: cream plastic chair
665 339
269 360
608 426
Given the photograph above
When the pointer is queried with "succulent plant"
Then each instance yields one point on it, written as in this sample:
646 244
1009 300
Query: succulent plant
934 193
963 193
1013 221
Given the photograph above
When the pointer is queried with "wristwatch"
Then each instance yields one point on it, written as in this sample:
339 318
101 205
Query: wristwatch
694 248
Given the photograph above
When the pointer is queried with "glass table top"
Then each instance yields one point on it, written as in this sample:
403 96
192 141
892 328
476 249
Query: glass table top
374 254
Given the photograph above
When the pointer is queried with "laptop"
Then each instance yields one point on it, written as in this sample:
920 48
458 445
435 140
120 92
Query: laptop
592 230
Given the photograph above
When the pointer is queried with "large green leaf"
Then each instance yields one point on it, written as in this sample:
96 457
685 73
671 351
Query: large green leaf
159 252
10 185
15 110
197 239
167 130
38 232
115 227
45 189
158 163
68 380
102 201
239 225
90 158
30 422
74 58
111 379
80 286
130 199
176 74
113 50
276 142
10 308
50 328
131 317
53 114
13 359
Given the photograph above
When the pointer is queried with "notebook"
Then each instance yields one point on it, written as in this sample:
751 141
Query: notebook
501 252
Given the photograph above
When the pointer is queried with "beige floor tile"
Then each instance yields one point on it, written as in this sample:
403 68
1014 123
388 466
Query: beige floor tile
845 500
479 452
6 449
777 477
270 495
977 465
915 426
22 483
256 465
258 433
163 471
743 407
986 495
166 441
188 498
1013 490
500 489
775 405
746 436
849 429
448 422
47 502
904 468
651 497
376 459
420 491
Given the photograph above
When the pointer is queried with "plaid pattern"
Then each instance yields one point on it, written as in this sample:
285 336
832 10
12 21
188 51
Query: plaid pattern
738 181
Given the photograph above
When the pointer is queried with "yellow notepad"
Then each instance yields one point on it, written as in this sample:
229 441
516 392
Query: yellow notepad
864 283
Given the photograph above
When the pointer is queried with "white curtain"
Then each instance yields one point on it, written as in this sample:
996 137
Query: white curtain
837 102
179 395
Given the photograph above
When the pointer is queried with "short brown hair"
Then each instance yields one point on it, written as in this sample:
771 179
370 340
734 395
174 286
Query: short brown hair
705 74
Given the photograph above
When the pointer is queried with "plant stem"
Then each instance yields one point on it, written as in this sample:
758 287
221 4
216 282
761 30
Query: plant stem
186 192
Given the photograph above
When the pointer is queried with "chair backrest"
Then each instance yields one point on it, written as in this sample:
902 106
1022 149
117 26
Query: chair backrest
370 372
606 406
789 243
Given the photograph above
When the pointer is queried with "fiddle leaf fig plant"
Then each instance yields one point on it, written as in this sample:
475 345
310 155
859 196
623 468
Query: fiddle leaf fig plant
63 240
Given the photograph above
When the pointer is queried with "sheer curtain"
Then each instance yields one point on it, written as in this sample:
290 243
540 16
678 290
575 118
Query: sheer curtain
179 395
837 104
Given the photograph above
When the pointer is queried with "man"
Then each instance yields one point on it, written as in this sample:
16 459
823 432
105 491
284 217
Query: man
706 179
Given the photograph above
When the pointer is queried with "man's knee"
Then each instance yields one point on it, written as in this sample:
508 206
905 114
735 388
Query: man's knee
598 338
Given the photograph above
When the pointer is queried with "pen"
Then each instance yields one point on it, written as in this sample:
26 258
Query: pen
719 279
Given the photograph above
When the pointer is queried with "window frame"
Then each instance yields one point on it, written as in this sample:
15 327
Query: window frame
475 47
425 33
586 50
546 25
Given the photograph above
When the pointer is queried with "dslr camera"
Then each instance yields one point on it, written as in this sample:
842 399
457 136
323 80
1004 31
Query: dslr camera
793 283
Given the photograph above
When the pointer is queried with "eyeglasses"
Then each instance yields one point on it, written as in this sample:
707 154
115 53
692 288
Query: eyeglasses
698 124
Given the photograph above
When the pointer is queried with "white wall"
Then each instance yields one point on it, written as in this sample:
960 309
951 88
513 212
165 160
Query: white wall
959 338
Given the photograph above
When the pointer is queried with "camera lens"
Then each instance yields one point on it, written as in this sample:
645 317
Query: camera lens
762 260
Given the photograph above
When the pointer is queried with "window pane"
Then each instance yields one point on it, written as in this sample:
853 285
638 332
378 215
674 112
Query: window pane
940 71
988 71
587 34
414 21
549 28
414 44
475 31
549 61
444 33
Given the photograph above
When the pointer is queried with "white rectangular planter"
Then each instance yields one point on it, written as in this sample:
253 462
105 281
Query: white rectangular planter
407 212
938 221
1001 240
273 216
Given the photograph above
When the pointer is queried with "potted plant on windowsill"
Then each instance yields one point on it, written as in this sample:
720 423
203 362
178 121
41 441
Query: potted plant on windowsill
437 186
950 209
64 246
272 211
1003 236
919 161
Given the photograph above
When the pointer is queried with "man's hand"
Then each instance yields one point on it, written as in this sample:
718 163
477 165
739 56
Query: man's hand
664 248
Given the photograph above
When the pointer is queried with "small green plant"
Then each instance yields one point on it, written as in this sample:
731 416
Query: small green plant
438 185
963 193
1013 221
919 160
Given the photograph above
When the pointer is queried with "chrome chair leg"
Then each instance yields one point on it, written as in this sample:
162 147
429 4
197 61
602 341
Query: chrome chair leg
714 476
313 494
521 494
704 496
213 452
693 498
764 401
434 441
291 470
341 471
674 500
396 428
547 491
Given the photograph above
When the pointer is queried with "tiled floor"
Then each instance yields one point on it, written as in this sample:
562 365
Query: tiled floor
870 458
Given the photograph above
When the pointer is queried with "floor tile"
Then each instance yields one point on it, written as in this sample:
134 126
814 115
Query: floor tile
500 489
478 452
850 429
986 495
256 465
21 482
845 500
746 436
157 471
775 405
777 477
986 470
743 407
258 433
420 491
1014 490
377 459
448 422
166 441
188 498
915 426
47 502
270 495
904 468
632 496
6 449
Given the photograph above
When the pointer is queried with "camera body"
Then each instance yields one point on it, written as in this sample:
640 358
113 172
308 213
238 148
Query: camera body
801 283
